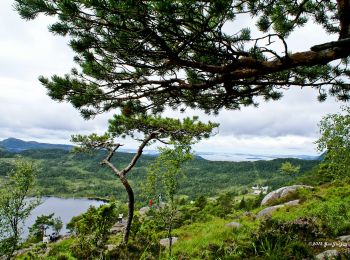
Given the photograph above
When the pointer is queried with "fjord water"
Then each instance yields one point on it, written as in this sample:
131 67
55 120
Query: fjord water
63 208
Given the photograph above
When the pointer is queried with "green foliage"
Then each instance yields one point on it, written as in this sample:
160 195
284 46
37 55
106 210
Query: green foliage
164 174
5 168
288 168
335 140
322 216
226 202
152 54
61 250
80 175
92 229
57 225
201 202
242 204
278 240
42 223
15 207
154 128
185 131
329 205
211 240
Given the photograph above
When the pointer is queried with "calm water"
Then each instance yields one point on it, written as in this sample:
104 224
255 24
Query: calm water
63 208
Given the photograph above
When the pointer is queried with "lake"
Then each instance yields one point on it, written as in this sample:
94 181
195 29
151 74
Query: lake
63 208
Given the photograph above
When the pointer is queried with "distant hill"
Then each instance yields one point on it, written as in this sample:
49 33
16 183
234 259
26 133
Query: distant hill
65 174
17 145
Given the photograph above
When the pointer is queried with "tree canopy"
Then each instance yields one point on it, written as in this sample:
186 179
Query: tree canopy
335 142
15 206
151 128
289 168
143 55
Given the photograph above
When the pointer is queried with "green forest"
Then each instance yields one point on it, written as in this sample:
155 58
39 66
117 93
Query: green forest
66 174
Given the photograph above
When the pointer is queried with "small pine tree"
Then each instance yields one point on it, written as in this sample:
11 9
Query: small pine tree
242 204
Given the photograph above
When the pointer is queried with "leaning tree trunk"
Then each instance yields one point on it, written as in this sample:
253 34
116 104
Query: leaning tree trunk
121 174
131 201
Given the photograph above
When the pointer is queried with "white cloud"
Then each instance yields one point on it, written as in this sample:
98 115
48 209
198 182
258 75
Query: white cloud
265 145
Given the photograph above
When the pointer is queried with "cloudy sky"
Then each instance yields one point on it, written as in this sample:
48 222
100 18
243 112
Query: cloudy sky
27 50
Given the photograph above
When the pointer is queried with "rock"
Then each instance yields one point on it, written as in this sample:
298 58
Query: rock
144 210
291 203
329 254
344 238
165 241
118 228
268 210
233 224
110 247
248 214
281 193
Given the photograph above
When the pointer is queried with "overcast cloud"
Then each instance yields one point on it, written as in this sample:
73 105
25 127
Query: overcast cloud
27 50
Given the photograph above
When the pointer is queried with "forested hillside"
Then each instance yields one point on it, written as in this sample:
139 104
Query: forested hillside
18 145
63 173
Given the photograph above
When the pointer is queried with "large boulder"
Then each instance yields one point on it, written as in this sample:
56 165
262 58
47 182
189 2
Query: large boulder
281 193
344 238
267 211
329 254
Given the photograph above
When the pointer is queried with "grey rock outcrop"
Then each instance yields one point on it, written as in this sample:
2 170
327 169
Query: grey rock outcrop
344 238
233 224
282 193
165 241
329 254
144 210
118 228
267 211
291 203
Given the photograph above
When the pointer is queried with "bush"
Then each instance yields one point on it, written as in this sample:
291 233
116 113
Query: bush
92 229
282 240
334 216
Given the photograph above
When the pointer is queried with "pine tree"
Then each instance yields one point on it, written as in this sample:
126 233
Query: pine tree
150 54
152 128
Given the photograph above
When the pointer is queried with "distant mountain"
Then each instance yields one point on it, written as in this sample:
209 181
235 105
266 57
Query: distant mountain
17 145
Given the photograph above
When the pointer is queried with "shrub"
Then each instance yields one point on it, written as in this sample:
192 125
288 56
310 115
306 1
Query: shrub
280 240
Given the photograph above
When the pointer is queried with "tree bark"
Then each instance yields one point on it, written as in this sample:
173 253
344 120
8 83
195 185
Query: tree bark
131 202
170 237
344 18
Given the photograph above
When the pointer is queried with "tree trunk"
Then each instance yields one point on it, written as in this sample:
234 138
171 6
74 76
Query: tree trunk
131 201
344 18
170 237
14 238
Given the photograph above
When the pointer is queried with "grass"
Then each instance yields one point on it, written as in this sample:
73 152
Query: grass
58 250
209 238
330 204
198 240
